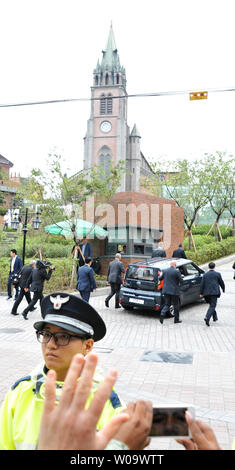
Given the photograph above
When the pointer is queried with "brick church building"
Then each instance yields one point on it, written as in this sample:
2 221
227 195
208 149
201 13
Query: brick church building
141 220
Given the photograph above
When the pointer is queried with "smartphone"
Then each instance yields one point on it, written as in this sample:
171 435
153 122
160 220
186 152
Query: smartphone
170 421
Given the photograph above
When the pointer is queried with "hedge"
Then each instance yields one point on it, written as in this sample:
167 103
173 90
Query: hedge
60 279
213 251
204 229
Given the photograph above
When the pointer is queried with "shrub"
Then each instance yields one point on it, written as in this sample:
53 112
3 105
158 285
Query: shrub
204 229
212 251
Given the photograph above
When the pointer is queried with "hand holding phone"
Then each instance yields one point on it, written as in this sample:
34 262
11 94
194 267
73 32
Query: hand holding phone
171 421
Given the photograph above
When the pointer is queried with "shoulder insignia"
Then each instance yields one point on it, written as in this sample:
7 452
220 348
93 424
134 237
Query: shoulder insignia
115 400
28 377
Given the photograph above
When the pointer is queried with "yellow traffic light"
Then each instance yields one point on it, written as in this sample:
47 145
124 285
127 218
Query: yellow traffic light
198 95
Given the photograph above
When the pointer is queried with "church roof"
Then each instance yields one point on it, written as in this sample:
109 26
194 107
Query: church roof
110 60
135 132
5 161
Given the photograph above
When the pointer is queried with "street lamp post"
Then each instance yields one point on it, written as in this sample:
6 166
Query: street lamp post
25 230
36 226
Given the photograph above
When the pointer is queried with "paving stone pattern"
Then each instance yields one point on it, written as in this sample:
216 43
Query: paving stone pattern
208 382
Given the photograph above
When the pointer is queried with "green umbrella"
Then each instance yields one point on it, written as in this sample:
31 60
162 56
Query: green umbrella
82 229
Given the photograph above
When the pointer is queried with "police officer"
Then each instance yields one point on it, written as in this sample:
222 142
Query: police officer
68 326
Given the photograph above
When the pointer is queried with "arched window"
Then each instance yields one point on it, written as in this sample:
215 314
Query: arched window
109 104
106 79
106 104
103 104
105 162
117 78
96 80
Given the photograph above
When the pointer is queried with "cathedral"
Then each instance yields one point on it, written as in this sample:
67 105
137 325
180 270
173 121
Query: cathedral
109 138
141 220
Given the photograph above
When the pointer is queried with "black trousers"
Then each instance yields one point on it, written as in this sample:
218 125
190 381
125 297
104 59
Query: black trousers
20 297
212 301
171 300
36 296
115 290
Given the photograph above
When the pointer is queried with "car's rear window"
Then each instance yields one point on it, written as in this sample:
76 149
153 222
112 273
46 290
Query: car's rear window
141 273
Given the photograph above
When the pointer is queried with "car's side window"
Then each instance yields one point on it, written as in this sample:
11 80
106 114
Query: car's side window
190 269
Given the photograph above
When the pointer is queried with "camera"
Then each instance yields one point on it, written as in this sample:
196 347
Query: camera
44 264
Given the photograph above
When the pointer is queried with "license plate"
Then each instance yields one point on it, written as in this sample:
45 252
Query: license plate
137 301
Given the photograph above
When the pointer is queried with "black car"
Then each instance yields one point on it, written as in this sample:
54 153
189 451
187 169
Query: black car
143 289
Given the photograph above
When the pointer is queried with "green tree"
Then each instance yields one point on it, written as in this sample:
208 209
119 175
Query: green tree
219 171
63 197
186 185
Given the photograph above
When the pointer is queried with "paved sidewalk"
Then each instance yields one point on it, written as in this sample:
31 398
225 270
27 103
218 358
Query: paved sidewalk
208 382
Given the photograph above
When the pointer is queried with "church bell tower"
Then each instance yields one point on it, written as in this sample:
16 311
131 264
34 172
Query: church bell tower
107 130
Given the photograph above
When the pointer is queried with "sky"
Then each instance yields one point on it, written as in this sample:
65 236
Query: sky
49 48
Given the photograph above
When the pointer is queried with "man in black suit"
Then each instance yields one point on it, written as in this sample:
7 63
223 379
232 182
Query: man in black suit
24 276
159 252
172 279
210 290
179 252
36 283
15 266
114 278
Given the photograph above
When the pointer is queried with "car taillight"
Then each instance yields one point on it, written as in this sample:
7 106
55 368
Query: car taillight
157 307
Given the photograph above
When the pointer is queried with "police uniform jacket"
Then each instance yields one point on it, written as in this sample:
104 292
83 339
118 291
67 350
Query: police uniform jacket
21 411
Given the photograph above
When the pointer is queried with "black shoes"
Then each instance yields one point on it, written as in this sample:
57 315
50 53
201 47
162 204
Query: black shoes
118 306
14 313
161 319
206 322
9 297
32 309
25 315
178 321
106 303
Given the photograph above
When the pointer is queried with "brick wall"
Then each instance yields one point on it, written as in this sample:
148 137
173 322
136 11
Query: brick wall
157 212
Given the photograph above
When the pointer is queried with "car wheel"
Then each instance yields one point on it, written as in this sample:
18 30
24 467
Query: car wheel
171 311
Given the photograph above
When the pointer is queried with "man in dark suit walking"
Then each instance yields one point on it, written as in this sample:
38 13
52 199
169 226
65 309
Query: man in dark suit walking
159 252
16 264
179 252
172 279
24 276
114 278
36 282
210 290
86 280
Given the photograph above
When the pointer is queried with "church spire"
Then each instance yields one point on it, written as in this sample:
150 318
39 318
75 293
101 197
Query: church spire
109 71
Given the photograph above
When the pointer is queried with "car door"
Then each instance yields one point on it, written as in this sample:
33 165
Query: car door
191 283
